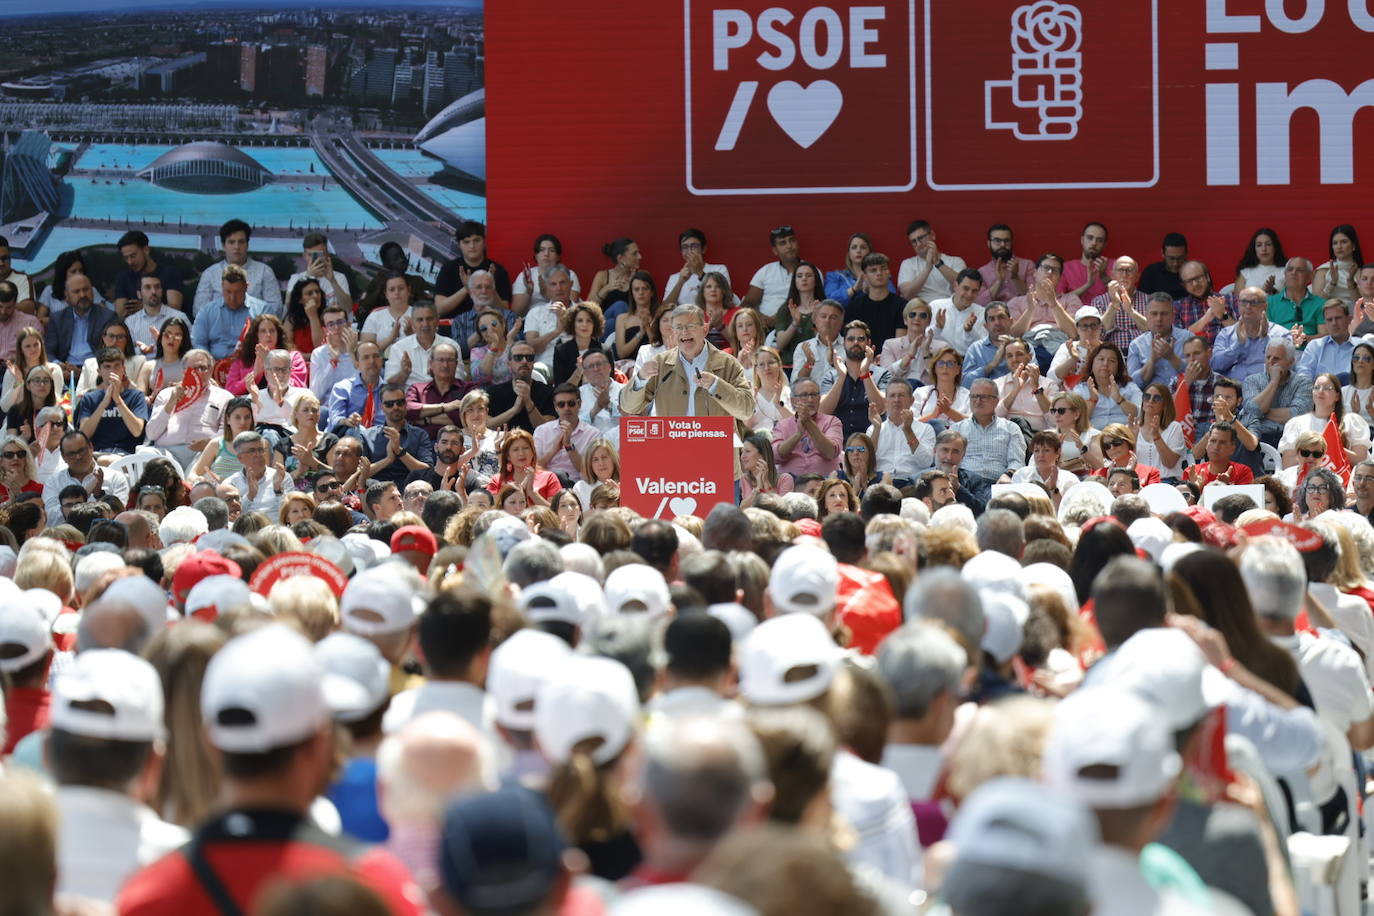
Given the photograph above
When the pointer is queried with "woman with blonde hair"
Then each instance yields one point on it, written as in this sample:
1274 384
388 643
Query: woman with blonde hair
308 602
1116 449
306 450
945 401
908 355
30 352
772 393
1069 413
600 464
18 470
745 334
296 507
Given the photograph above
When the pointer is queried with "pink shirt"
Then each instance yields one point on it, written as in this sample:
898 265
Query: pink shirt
1076 274
9 332
237 380
1022 269
804 458
1043 314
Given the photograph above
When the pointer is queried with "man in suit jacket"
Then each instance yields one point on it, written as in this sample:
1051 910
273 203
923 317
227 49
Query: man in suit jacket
74 334
693 379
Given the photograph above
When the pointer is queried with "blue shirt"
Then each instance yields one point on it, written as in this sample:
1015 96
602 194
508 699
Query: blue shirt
413 440
355 795
979 354
1241 360
1325 355
349 397
1138 354
111 434
837 283
465 325
81 339
218 328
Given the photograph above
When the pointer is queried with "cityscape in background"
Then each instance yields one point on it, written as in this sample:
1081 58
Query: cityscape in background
365 123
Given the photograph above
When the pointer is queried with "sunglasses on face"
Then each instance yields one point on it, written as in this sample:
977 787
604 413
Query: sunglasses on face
338 323
565 403
1112 443
1308 453
1059 410
329 486
522 357
923 315
1362 358
400 403
12 455
853 449
1152 397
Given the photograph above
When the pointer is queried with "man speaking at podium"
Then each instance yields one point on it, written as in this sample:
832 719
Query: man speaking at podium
693 379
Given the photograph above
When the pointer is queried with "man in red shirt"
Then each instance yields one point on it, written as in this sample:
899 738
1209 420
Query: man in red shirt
1221 445
265 715
25 654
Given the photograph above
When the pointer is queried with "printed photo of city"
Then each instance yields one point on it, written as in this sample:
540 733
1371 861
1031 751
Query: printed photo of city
362 122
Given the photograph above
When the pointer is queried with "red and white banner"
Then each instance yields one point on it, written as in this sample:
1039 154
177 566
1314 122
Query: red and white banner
735 116
671 466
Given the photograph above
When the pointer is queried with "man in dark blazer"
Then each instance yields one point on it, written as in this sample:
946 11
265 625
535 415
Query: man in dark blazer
74 334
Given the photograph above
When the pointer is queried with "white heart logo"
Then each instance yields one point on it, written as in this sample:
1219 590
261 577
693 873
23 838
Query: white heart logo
682 505
805 113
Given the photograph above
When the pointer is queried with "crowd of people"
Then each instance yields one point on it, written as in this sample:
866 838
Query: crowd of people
1047 587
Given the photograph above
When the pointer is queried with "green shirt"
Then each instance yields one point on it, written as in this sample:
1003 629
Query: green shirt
1311 311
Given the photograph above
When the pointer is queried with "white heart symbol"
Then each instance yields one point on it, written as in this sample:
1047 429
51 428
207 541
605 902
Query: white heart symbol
805 112
682 505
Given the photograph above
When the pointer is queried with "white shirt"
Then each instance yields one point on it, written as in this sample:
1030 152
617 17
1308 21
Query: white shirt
953 332
268 501
1288 740
103 837
115 482
775 280
269 411
1333 673
469 703
419 360
936 285
327 368
688 294
1029 474
143 328
1351 614
823 364
380 323
262 283
1353 425
1147 452
541 319
689 702
607 419
895 456
329 297
917 766
876 806
536 290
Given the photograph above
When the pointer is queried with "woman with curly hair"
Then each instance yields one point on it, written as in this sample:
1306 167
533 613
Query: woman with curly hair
265 334
161 472
518 466
585 326
303 308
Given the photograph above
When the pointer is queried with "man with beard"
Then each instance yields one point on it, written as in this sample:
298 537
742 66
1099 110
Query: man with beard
855 391
1085 277
448 460
1005 276
434 404
523 402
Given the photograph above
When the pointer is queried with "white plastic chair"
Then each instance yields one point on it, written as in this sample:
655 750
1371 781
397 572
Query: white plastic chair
1270 459
131 466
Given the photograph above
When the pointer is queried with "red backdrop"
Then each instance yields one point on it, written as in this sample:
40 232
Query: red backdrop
588 125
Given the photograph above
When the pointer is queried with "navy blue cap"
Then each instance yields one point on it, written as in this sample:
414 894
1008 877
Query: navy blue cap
500 851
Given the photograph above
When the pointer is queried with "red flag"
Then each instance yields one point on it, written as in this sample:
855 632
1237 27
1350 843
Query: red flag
1335 452
1183 411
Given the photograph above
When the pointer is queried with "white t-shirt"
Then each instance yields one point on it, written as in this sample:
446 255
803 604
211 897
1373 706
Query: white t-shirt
953 332
1146 452
1028 474
1353 425
380 323
541 319
1259 274
936 287
688 294
519 286
775 280
1333 673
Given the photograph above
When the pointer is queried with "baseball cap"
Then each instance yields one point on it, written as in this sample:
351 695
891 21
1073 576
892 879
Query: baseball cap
1019 824
414 537
1150 535
993 571
220 539
788 659
518 668
263 691
47 604
22 626
108 693
568 597
1086 311
214 594
199 566
500 851
589 698
803 581
1162 666
1054 577
356 679
365 551
506 532
333 550
738 618
637 588
1109 749
141 593
1163 499
379 600
1005 615
1176 551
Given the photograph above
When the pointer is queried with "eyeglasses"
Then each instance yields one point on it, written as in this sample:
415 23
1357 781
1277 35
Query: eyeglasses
925 315
278 369
811 394
1327 388
1188 281
1250 300
1059 410
1362 358
336 323
13 455
489 327
76 454
41 380
1112 443
682 328
982 397
400 403
853 449
1308 453
565 403
326 487
781 232
1362 478
946 364
522 357
151 491
1152 397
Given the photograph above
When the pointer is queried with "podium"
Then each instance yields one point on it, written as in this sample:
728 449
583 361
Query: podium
671 466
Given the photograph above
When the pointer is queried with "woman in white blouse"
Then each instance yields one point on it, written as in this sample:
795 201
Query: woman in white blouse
1021 392
946 401
1158 436
908 356
1335 277
1358 395
1263 262
1326 402
772 395
1070 415
29 351
116 334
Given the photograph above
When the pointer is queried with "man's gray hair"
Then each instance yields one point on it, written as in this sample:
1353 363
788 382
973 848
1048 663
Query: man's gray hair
442 344
1275 577
982 381
279 355
1283 343
423 304
184 524
480 273
553 270
702 774
535 560
919 662
246 438
215 510
1001 530
687 310
942 594
51 415
800 506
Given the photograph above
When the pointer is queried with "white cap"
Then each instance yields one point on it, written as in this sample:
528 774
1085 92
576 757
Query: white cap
1005 615
639 584
568 597
1163 499
219 539
1110 749
506 532
804 580
1150 535
48 605
1086 311
1175 552
683 899
379 601
994 571
101 678
518 668
740 620
792 643
271 676
145 595
92 566
1162 666
1015 823
216 594
365 551
589 697
22 623
356 678
1055 577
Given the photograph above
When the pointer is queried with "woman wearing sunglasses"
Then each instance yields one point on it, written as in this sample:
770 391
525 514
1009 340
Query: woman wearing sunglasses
1116 446
858 465
908 355
1069 413
1327 402
1159 436
18 472
489 363
945 401
1310 448
1359 393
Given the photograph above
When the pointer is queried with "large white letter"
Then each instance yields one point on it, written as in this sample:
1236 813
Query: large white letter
1223 133
861 36
834 38
1359 14
1219 21
1304 23
731 29
1274 107
769 20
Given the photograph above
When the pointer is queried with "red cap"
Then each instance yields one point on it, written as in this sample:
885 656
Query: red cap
414 537
1305 539
199 566
809 527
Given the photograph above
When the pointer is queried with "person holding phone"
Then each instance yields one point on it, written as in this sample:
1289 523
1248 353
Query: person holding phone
319 266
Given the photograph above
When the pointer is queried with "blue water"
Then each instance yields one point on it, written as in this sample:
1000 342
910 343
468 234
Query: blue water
63 239
295 200
411 163
468 206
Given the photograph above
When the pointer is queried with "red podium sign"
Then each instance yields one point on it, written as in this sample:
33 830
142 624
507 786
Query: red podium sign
671 466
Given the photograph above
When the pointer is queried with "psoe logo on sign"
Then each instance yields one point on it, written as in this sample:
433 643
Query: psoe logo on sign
799 100
642 430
